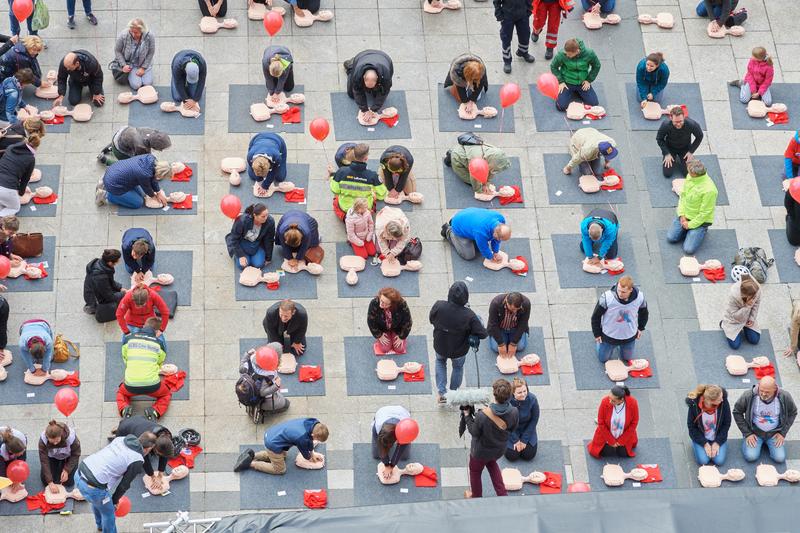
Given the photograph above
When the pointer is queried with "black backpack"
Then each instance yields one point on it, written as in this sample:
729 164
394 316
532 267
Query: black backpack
248 387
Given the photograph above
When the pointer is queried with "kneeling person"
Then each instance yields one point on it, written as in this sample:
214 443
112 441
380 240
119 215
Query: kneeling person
279 439
143 354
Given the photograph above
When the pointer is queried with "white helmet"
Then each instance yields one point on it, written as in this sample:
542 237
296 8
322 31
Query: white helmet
738 271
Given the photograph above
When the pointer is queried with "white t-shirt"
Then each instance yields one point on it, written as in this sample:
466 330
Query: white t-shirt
252 235
618 420
766 415
710 425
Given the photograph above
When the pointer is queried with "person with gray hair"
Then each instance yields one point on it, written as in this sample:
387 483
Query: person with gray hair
188 78
393 233
599 236
695 209
133 55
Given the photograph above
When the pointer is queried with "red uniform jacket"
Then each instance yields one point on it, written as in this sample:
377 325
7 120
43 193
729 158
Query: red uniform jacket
129 314
603 436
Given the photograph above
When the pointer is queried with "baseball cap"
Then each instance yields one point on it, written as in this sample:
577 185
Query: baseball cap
607 150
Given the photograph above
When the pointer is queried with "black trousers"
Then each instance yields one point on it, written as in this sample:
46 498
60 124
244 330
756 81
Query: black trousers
56 467
523 27
3 323
792 234
610 451
223 10
528 453
678 165
74 90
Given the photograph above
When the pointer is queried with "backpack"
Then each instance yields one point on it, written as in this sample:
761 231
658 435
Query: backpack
40 19
755 260
61 349
248 388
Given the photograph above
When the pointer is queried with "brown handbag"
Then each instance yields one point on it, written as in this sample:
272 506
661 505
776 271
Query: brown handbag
315 254
28 245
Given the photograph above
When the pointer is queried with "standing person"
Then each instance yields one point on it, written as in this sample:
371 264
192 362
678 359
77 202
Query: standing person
16 167
143 353
213 8
356 181
138 251
591 151
395 171
490 428
13 446
278 67
24 54
369 81
87 8
267 384
791 157
389 321
383 437
599 236
137 306
617 420
79 69
11 95
393 233
129 141
575 67
360 229
764 415
59 453
709 419
456 327
508 323
652 75
286 322
101 293
757 81
467 78
279 439
266 160
523 441
513 14
188 79
15 26
550 11
133 55
112 468
164 447
36 346
126 183
474 231
252 237
298 236
619 319
674 137
695 209
741 315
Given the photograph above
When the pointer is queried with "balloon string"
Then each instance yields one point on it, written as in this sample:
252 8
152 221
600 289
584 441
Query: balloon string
502 118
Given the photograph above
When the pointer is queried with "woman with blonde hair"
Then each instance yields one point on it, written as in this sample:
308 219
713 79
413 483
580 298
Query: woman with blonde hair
24 54
467 78
127 182
758 79
741 315
709 419
133 55
277 65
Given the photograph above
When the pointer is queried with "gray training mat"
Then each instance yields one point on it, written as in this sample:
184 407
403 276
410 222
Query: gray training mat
177 499
549 458
169 186
50 178
241 97
482 280
709 350
649 451
277 204
368 490
569 259
48 257
151 116
298 286
175 262
29 95
177 354
788 272
370 280
290 383
15 391
258 490
590 373
769 174
782 93
487 361
720 244
361 361
687 94
450 121
660 188
459 195
548 118
563 189
33 485
735 459
347 128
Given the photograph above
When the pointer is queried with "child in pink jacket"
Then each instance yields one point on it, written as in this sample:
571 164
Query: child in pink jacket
758 79
360 229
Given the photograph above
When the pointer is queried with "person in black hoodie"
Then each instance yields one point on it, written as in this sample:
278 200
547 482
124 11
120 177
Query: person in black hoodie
369 77
252 237
164 449
286 322
77 70
709 419
456 327
101 293
490 429
16 167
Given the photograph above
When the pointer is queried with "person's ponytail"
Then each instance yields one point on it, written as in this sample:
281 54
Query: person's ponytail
34 140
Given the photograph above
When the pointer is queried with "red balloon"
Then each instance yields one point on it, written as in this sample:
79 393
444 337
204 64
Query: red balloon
273 23
18 471
66 401
267 358
406 431
230 206
479 169
794 190
509 94
5 266
123 507
579 486
319 129
548 85
22 9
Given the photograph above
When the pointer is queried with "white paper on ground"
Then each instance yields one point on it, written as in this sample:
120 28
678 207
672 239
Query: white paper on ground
281 493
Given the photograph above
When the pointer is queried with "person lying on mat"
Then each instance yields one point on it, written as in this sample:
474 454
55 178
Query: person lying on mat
575 67
508 323
252 237
599 232
59 453
474 231
383 437
695 209
591 151
11 95
393 234
298 236
369 80
652 75
523 441
129 141
278 66
137 306
619 319
164 448
286 322
266 159
36 346
467 78
617 420
395 171
458 159
344 157
764 414
143 353
101 293
279 439
356 181
79 69
267 382
127 182
674 137
138 252
188 78
709 419
389 321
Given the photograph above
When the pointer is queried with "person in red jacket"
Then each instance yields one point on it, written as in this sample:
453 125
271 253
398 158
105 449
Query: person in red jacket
791 157
137 306
617 419
549 11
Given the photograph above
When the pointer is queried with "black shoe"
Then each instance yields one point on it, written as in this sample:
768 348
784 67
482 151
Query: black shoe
89 310
448 161
735 83
445 228
244 460
151 414
126 412
526 56
71 23
507 68
534 37
101 157
548 54
92 19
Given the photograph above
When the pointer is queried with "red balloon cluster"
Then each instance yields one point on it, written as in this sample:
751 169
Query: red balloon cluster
406 431
267 358
66 401
123 507
18 471
231 206
273 23
22 9
509 94
479 169
319 129
548 85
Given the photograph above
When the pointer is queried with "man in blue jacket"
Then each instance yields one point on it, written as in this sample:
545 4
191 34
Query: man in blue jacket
475 230
266 159
188 78
599 236
138 251
298 234
300 432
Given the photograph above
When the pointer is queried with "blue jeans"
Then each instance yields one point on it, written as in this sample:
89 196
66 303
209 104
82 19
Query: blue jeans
441 373
575 92
506 334
606 6
751 335
703 12
745 94
257 260
15 29
606 350
87 7
776 453
692 238
102 506
133 199
702 457
136 81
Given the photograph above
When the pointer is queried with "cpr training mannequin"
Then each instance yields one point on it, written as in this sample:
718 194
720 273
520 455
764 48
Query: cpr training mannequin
252 276
352 264
490 192
312 268
7 360
370 118
710 476
768 476
149 279
662 20
51 91
388 370
16 492
60 496
305 18
617 370
691 267
513 478
287 364
722 31
257 11
24 269
614 476
283 186
175 197
179 472
411 469
38 192
736 365
610 265
56 374
510 365
590 184
279 100
146 94
505 262
653 111
391 268
471 111
594 21
79 113
233 166
758 109
172 107
317 464
212 25
579 111
437 6
413 197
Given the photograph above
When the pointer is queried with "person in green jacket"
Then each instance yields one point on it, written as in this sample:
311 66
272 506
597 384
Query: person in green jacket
143 353
575 67
459 157
695 209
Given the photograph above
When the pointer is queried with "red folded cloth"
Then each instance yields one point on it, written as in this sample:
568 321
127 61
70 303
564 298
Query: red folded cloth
274 286
616 272
186 457
55 120
309 373
41 268
174 382
551 483
315 499
416 376
72 380
524 270
38 502
46 200
292 116
714 274
653 473
515 198
761 371
391 122
155 287
531 370
646 373
297 195
779 118
618 186
186 204
426 478
184 175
